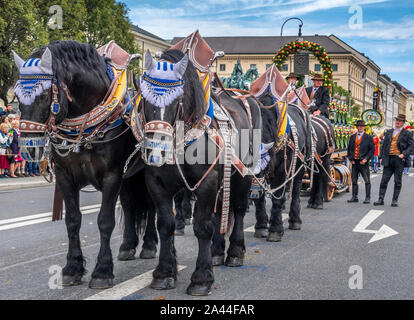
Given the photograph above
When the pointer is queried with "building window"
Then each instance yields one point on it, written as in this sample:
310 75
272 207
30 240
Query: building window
285 67
335 67
317 67
268 66
253 65
222 67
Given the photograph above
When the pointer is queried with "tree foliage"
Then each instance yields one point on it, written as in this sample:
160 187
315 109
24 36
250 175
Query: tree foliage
26 25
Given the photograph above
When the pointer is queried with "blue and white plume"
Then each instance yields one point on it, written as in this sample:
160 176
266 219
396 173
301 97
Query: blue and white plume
35 76
163 81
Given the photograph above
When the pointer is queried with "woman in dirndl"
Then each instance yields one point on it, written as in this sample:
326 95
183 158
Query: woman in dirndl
4 143
16 162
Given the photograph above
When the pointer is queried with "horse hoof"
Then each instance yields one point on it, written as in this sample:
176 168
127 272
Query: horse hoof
295 226
187 222
261 233
179 232
199 289
68 281
234 261
126 255
163 284
98 283
317 206
275 236
218 260
147 254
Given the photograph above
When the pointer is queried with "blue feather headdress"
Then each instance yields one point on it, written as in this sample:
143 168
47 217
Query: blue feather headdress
36 76
163 82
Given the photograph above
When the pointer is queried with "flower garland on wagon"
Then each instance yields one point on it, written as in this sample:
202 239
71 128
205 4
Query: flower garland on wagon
317 50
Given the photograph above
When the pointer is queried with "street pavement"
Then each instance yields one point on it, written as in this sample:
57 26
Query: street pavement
334 256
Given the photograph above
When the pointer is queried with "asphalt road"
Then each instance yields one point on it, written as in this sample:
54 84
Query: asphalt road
327 259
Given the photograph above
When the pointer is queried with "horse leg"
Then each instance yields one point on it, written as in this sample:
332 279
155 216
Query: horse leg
75 264
102 275
165 274
240 203
130 237
188 214
276 230
149 247
294 213
321 180
202 278
179 213
311 200
219 243
261 228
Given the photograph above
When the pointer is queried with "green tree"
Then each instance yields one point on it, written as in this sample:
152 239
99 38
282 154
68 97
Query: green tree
25 25
20 31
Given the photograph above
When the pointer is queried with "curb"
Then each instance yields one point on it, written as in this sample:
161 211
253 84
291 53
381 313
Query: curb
24 185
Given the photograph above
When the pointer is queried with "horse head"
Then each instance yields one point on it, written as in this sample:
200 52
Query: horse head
171 95
63 80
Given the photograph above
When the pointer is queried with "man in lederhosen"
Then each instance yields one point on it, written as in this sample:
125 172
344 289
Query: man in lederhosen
397 147
319 96
361 149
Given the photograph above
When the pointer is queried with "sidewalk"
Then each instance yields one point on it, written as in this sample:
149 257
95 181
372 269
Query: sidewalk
22 183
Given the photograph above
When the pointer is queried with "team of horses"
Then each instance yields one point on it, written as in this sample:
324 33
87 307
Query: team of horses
81 79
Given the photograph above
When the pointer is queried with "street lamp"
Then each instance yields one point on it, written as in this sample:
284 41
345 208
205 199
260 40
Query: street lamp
300 27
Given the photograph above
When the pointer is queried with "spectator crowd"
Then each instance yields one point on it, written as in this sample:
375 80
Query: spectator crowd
12 165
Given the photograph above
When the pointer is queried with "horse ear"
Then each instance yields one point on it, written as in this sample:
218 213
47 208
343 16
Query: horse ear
149 61
181 66
46 60
17 60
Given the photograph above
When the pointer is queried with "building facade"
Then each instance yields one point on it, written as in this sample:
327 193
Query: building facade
348 70
148 41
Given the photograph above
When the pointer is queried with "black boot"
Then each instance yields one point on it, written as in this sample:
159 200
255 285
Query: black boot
354 194
394 202
380 201
367 193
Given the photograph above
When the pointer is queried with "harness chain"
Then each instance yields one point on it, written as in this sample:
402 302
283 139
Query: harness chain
223 125
295 154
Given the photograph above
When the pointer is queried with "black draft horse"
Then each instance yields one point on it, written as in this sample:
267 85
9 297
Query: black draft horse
82 82
165 180
324 147
278 170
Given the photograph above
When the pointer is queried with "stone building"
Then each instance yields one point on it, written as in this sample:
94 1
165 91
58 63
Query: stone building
348 70
148 41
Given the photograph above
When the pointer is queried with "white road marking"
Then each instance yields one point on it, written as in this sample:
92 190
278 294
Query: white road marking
41 217
251 229
382 233
128 287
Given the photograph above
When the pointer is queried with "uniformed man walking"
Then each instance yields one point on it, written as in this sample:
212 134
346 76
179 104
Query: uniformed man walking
397 147
361 149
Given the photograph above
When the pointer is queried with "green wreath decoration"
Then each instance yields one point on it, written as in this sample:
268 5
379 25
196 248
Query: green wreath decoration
317 50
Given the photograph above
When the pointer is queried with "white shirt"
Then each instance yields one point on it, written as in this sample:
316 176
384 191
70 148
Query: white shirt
360 135
396 131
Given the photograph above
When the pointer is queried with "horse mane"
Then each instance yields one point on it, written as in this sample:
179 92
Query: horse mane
69 56
193 90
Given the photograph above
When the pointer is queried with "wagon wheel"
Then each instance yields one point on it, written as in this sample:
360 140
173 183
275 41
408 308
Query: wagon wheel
330 190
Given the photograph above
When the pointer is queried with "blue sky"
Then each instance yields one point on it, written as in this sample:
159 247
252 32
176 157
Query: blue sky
384 30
